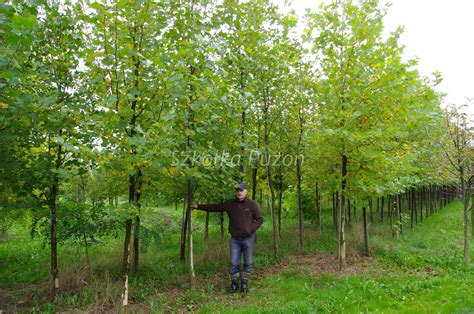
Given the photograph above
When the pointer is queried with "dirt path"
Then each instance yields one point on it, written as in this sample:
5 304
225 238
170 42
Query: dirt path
317 263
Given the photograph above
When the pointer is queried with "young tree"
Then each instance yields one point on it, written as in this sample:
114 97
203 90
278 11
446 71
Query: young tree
459 154
131 88
47 101
367 103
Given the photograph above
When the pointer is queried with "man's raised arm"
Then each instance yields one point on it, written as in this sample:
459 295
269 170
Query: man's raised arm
210 207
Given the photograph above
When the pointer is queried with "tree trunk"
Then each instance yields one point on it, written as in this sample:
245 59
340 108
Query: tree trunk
318 210
126 260
431 193
389 205
415 207
399 214
136 241
465 201
381 210
52 204
280 196
300 206
86 250
206 228
54 272
192 277
133 198
242 168
184 232
335 209
428 201
269 176
472 214
342 236
299 178
366 234
371 211
420 197
255 164
254 180
354 206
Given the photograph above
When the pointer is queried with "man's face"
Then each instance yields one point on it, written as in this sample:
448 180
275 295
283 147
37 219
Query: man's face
240 194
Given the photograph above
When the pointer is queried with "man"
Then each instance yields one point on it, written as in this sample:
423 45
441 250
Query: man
244 219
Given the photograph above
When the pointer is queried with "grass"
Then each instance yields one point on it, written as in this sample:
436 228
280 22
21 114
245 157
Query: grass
422 271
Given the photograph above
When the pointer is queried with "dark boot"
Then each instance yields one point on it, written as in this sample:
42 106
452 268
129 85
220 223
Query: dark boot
245 282
234 283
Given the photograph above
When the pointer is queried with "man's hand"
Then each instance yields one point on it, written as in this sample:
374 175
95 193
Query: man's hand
194 206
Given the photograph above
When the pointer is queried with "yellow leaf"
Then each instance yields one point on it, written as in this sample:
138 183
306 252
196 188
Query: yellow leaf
3 105
172 171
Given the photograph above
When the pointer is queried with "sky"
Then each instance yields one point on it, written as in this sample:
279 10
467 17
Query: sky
440 33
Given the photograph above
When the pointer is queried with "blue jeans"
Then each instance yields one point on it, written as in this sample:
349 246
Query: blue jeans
239 247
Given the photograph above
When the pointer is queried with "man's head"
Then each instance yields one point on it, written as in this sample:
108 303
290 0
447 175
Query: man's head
240 191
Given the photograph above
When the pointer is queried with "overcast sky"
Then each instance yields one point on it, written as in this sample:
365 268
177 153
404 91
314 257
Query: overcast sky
439 32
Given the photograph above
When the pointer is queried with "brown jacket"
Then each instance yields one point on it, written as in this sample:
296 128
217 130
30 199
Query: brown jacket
244 216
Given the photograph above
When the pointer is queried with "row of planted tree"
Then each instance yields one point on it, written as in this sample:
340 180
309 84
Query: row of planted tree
174 102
